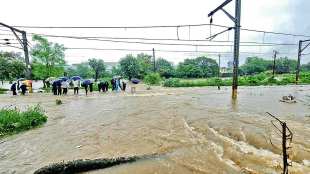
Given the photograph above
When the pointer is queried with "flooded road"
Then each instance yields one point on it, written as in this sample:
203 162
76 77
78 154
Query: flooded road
196 130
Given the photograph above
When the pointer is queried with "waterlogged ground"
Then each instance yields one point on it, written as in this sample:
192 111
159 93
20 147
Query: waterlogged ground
195 130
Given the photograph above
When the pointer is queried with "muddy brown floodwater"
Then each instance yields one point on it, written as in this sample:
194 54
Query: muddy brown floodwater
196 130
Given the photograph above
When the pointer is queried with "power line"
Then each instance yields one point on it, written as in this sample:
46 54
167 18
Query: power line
120 27
158 26
5 45
150 43
159 50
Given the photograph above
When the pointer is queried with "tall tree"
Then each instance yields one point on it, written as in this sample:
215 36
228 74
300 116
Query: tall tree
255 65
200 67
82 69
145 64
164 68
98 67
11 66
130 67
48 58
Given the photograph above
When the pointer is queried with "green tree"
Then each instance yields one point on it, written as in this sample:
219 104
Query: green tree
12 66
145 64
255 65
130 67
116 71
200 67
48 58
285 65
305 67
98 67
82 69
164 68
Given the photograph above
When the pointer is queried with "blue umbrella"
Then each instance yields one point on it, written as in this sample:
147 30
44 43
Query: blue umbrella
135 81
63 78
87 82
76 78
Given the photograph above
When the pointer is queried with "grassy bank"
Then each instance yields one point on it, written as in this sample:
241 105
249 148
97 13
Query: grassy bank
13 120
256 80
3 91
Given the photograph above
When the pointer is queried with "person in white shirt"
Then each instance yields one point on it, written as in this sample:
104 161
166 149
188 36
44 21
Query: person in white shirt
76 86
64 86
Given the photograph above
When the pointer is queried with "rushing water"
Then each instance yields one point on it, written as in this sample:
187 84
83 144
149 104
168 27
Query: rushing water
196 130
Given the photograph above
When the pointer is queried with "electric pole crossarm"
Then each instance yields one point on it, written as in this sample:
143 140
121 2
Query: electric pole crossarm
229 15
12 28
305 46
219 7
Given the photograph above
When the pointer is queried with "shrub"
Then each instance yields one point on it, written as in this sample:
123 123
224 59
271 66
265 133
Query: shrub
14 120
172 82
152 79
3 91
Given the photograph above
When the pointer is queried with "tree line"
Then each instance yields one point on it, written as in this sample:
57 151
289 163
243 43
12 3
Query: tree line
48 60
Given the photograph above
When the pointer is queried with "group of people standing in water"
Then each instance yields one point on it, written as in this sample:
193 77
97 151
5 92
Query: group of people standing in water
61 87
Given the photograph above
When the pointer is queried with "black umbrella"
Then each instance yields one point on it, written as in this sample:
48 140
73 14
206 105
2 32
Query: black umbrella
135 81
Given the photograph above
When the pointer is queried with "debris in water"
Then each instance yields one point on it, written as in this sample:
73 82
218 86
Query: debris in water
58 102
288 99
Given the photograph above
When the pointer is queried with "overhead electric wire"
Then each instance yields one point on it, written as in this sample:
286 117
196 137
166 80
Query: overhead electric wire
119 27
10 46
158 26
158 50
149 43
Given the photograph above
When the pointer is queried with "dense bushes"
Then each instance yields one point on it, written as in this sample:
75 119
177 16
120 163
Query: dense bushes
14 120
152 79
260 79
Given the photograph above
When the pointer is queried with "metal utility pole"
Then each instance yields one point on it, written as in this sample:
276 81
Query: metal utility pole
154 62
300 50
287 137
274 62
236 20
219 73
24 44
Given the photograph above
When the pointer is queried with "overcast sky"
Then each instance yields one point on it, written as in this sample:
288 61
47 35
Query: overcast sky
272 15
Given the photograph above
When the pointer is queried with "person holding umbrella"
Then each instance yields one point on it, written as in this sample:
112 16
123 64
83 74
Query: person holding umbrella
65 86
58 84
85 84
23 87
76 84
54 87
13 88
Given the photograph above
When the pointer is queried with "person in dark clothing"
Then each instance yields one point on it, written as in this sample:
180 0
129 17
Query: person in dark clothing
124 85
91 87
58 87
13 88
86 88
106 86
113 84
100 86
23 87
54 88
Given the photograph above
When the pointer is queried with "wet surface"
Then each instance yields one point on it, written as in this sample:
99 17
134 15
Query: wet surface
197 130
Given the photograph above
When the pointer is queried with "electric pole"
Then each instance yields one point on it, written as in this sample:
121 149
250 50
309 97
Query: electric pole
154 62
24 43
219 73
300 50
274 62
236 20
25 46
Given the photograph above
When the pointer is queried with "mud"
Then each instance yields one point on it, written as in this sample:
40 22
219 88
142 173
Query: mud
200 130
